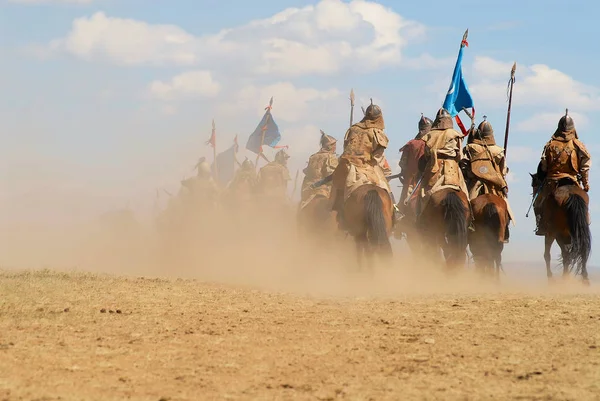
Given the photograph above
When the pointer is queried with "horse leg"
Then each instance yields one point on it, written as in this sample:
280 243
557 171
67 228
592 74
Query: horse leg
498 260
566 258
547 258
360 242
584 273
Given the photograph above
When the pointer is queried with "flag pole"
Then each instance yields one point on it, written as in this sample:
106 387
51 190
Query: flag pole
511 82
214 134
351 106
262 135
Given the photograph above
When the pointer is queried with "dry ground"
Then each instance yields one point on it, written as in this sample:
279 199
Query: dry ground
183 339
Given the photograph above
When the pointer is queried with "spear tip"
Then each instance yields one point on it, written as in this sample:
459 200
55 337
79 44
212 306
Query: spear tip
352 95
514 69
466 34
271 101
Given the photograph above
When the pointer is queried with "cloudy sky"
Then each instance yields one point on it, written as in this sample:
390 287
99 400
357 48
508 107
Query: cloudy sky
103 101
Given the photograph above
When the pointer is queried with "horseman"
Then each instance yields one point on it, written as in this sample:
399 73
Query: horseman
484 165
246 173
202 188
363 160
273 178
440 162
320 165
565 159
409 164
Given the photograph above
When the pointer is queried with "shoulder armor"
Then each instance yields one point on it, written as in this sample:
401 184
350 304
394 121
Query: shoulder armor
581 147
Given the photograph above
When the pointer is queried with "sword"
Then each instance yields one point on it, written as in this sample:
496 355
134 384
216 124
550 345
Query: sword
322 181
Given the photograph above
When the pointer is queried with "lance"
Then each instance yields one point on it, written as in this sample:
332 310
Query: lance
214 136
262 136
295 183
511 83
351 106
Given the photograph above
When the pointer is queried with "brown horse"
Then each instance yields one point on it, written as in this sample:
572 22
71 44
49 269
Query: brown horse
490 215
444 224
317 219
368 218
566 221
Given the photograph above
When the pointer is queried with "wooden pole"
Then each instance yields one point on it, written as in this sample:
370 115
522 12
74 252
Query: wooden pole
512 83
262 136
214 137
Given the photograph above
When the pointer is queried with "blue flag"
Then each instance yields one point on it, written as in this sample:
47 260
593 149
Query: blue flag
226 164
458 96
272 135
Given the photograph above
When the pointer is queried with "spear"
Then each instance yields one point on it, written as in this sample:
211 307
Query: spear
363 110
351 106
511 83
262 136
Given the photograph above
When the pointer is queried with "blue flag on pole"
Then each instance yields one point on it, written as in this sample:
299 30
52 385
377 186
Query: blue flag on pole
271 136
458 96
226 164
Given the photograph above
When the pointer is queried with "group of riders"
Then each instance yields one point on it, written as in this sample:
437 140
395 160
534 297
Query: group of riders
434 160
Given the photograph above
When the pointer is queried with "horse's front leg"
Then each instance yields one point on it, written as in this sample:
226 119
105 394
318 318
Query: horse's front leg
548 240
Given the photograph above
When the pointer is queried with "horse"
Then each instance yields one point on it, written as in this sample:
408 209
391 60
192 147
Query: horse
444 223
566 222
368 219
317 218
490 218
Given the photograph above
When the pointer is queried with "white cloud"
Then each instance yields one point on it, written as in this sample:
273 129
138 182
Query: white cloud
320 39
291 104
548 122
536 85
127 41
185 85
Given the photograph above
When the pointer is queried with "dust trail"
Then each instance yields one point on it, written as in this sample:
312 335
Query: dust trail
257 248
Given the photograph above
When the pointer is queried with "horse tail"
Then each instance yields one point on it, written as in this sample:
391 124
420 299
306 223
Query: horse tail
456 222
495 229
376 225
581 236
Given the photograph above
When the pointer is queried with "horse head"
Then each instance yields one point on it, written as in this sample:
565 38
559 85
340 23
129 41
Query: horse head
535 181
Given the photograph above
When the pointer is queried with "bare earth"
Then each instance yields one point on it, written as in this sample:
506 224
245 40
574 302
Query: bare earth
176 339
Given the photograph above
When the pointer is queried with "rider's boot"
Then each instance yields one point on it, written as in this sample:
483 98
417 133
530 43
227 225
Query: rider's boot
539 229
337 207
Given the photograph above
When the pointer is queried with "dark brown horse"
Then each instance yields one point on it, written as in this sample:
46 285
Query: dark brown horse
490 215
368 218
565 212
443 224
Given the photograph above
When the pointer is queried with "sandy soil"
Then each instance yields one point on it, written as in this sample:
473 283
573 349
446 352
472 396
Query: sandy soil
76 335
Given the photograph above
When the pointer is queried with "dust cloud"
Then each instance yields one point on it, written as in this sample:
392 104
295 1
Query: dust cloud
243 245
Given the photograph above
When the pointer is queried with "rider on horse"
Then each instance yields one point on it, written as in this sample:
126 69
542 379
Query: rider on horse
320 165
246 172
273 178
484 165
202 187
409 165
565 159
363 160
440 162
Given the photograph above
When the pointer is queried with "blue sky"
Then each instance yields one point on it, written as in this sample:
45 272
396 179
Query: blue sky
106 100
